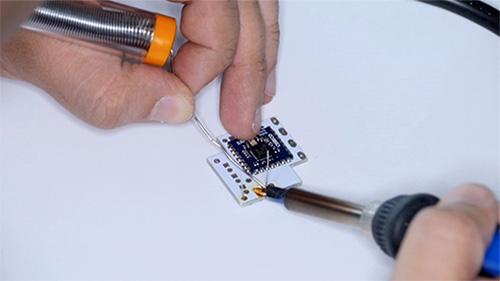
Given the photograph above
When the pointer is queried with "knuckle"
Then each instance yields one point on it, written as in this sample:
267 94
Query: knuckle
106 110
225 50
253 62
227 53
274 32
260 65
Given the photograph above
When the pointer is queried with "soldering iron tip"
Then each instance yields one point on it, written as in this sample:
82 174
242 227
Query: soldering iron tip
259 191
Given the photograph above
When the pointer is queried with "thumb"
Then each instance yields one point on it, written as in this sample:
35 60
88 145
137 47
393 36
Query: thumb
97 87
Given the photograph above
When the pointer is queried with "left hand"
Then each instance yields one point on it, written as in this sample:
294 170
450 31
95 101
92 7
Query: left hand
238 39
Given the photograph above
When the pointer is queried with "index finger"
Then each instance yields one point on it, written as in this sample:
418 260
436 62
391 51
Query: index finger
212 28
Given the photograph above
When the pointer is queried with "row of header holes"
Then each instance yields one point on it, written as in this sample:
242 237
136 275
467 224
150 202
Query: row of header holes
291 142
237 180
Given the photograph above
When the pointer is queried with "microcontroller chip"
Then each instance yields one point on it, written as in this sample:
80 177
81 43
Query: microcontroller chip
242 165
252 154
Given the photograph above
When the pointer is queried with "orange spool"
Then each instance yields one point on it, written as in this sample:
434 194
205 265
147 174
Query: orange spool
163 41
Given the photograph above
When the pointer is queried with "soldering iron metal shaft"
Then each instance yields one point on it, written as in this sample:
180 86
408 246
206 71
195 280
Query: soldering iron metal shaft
324 207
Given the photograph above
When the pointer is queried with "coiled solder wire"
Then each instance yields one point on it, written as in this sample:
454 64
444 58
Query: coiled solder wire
127 31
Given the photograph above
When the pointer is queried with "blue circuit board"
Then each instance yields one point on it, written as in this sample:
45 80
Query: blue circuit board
253 154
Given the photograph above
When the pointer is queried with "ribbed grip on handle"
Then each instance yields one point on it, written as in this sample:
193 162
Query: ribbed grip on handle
393 217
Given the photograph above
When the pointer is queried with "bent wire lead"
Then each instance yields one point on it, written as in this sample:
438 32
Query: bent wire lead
246 164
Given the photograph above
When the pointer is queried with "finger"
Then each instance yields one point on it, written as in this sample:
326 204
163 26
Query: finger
447 242
95 86
212 28
270 11
242 92
12 14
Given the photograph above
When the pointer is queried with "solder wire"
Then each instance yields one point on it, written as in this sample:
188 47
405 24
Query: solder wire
267 167
208 134
201 125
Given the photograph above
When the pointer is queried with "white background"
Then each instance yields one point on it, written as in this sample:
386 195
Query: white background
384 97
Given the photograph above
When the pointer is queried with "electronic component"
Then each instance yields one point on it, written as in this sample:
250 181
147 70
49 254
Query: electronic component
253 155
268 158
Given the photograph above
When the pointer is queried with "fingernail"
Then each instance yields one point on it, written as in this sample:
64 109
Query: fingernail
257 121
171 109
471 194
270 89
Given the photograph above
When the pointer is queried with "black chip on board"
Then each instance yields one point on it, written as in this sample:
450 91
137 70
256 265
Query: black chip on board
259 151
252 154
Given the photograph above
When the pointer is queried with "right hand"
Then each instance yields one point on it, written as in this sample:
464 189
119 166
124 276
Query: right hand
448 241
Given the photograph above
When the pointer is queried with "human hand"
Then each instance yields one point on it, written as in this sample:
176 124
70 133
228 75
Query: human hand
448 241
236 39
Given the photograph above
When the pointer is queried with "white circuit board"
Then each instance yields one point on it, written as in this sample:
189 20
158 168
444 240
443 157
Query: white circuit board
281 153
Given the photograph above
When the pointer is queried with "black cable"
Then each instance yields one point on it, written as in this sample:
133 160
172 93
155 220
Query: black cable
476 11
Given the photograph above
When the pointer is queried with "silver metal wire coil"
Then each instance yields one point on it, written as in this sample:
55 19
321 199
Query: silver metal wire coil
122 30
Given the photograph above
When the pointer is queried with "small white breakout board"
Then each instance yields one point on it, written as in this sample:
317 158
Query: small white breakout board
269 157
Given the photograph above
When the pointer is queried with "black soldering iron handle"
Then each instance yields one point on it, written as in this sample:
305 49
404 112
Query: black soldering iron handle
389 223
392 218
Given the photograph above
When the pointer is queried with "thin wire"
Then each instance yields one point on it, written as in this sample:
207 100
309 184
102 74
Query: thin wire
267 167
170 61
208 134
204 129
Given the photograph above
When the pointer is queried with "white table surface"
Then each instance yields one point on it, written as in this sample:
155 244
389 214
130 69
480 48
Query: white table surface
385 98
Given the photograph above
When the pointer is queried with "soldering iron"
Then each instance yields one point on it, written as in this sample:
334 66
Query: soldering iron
387 221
